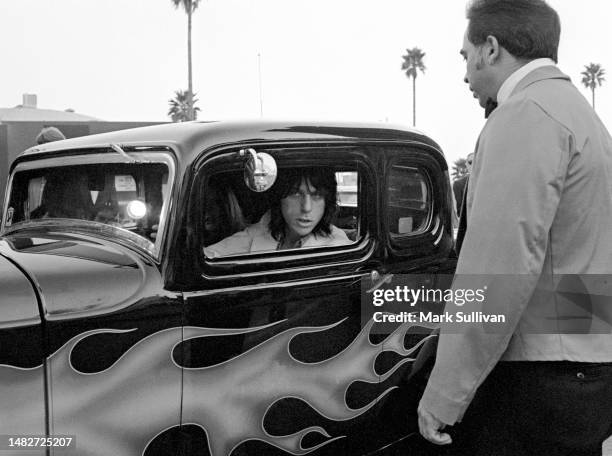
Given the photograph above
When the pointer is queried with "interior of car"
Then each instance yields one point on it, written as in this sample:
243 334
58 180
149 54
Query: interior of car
232 206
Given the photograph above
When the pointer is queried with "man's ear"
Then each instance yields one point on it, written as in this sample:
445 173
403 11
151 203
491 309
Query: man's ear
492 50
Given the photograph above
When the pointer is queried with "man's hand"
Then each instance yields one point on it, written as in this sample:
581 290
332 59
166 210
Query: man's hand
430 428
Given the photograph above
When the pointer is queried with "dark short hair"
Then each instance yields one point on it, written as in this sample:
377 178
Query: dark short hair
527 29
289 181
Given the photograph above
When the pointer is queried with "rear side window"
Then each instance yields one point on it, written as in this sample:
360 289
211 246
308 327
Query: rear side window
409 201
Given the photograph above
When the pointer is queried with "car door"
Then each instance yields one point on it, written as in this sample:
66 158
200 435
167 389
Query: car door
276 358
280 354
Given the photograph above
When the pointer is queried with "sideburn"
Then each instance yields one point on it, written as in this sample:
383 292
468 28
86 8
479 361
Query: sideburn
480 63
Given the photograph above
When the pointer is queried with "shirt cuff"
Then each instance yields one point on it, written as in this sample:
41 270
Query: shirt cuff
445 409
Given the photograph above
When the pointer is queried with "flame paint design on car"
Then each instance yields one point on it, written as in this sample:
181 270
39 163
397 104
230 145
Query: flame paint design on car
121 409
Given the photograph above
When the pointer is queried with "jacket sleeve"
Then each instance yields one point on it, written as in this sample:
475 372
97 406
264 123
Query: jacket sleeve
516 185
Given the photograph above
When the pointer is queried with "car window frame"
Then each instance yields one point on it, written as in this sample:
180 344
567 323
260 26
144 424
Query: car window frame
425 160
161 154
399 238
285 263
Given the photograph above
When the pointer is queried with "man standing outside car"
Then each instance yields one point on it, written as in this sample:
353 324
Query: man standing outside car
539 207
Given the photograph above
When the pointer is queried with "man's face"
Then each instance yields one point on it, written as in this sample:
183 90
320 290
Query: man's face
302 210
478 72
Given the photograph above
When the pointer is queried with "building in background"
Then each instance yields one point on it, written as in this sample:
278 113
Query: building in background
20 125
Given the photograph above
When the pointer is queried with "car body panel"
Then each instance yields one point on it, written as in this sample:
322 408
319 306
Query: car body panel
21 371
110 277
109 333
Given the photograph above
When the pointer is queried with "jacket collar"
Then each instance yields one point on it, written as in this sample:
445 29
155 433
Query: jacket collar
511 81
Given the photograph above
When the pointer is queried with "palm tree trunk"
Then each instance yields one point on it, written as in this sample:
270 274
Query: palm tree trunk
189 82
593 97
414 101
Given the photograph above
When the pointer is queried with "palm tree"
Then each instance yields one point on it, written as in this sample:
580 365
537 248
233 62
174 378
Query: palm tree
181 109
189 6
592 77
413 61
459 168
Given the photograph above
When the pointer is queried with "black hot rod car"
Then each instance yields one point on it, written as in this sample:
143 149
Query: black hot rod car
119 330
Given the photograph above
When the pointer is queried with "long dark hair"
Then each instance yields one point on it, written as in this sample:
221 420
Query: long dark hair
289 181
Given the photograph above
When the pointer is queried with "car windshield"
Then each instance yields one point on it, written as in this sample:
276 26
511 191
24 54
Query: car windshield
118 198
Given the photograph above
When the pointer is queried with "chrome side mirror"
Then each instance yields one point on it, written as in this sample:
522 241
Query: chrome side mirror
259 170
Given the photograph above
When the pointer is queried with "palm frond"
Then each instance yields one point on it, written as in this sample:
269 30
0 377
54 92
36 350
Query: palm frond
186 4
459 168
593 75
413 62
179 106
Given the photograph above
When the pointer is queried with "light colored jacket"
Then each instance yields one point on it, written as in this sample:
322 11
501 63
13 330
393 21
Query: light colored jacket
539 210
257 238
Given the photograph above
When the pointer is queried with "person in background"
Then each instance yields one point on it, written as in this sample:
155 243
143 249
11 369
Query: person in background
65 195
460 184
222 214
539 212
49 134
460 187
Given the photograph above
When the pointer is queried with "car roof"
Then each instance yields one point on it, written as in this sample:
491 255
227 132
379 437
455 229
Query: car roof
189 139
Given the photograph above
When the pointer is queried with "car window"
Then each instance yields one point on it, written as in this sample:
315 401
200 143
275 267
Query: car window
409 201
308 207
131 197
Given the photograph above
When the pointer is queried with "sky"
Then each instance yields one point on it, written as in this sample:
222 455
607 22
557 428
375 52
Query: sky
122 60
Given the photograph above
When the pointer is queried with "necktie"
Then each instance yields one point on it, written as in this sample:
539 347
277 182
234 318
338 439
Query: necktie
490 107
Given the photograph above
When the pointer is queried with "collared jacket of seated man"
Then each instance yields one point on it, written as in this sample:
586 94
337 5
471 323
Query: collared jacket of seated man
257 238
